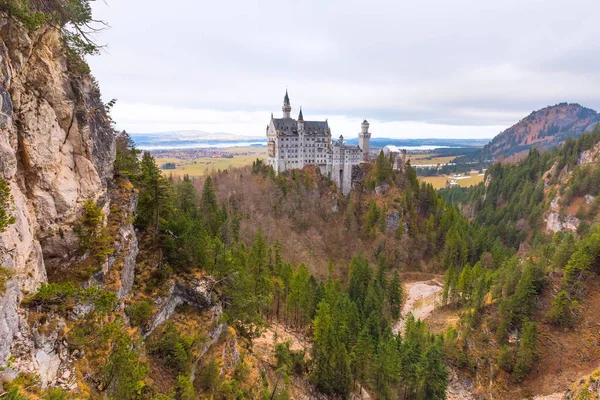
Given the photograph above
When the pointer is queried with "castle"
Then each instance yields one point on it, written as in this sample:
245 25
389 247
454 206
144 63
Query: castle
297 143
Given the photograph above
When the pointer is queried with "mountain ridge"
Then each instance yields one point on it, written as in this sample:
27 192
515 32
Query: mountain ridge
544 128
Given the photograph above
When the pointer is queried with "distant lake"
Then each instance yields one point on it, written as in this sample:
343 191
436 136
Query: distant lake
196 145
216 144
422 147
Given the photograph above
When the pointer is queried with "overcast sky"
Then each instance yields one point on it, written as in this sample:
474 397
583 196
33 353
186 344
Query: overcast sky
420 68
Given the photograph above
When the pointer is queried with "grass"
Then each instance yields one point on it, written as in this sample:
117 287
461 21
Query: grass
439 181
203 165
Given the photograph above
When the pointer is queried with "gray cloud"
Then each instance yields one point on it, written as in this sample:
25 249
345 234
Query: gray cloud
460 63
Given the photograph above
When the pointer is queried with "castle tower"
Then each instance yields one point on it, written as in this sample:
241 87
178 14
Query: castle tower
300 121
364 138
287 108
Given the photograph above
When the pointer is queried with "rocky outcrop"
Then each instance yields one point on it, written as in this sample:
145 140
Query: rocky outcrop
392 221
382 189
556 223
56 151
41 349
118 272
196 292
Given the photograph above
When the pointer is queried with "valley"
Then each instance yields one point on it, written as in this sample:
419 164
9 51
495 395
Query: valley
189 265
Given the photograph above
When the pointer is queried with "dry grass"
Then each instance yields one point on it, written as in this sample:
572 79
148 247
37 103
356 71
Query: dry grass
439 181
424 159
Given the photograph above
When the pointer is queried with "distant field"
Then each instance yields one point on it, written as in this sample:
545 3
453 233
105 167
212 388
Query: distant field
439 182
200 166
421 159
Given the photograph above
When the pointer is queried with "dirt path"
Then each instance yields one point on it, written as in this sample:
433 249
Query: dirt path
421 298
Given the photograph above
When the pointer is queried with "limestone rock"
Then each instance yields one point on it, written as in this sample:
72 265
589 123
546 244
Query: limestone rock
554 223
380 190
196 292
392 221
56 151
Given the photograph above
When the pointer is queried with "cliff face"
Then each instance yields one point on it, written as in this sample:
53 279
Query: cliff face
56 151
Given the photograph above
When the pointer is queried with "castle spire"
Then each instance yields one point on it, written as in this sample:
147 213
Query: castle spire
287 108
300 117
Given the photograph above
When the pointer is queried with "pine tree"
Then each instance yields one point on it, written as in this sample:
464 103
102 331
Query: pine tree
433 377
331 372
154 199
526 352
259 271
561 311
386 368
126 158
395 295
361 358
210 207
187 200
464 284
372 216
411 354
360 277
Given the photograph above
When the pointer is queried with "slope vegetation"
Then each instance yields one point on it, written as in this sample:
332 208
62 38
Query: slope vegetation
542 129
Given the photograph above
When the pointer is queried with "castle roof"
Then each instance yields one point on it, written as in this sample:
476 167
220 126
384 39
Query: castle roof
392 149
289 126
300 117
286 99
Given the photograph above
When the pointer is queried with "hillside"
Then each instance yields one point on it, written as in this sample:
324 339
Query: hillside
542 129
545 208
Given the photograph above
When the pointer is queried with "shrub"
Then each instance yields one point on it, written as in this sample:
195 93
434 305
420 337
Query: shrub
124 373
21 10
5 275
289 359
185 388
93 235
64 296
14 394
173 348
55 394
5 202
139 313
208 378
506 358
561 312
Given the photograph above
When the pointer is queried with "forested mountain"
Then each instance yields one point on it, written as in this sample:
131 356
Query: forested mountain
542 129
545 208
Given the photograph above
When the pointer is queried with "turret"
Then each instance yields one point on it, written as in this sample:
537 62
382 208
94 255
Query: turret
287 108
364 138
300 121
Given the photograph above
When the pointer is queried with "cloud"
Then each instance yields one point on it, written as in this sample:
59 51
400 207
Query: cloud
447 68
143 118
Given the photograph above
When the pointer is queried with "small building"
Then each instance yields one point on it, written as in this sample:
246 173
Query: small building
398 155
